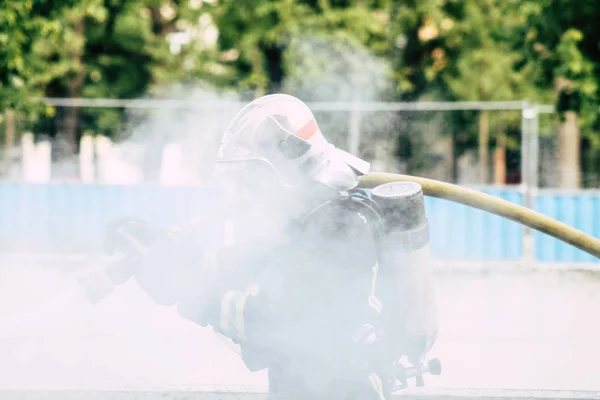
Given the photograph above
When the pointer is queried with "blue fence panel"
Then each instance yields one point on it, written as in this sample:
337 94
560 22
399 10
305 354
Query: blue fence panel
465 233
72 217
581 211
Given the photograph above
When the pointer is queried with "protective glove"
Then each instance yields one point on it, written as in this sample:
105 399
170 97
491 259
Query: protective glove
167 267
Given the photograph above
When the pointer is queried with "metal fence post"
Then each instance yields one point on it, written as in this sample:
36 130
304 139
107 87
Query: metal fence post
529 151
354 130
535 152
529 167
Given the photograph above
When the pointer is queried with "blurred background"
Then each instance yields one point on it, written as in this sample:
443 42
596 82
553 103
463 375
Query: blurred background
495 94
498 56
116 107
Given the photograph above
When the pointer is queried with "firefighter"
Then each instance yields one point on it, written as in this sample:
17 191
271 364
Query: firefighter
297 285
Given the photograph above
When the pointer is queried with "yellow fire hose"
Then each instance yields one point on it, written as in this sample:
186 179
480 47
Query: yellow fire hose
494 205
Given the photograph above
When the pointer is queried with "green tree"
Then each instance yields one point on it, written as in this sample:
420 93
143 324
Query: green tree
486 70
111 49
24 26
461 50
255 36
560 48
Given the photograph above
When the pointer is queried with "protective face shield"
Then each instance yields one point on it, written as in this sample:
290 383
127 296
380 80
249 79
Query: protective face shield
280 132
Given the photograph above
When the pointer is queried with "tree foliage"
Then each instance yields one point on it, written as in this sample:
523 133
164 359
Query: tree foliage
539 50
25 26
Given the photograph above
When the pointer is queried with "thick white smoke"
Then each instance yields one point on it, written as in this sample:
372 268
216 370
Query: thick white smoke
126 341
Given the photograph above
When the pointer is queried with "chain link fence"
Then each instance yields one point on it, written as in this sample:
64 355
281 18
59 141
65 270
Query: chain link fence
473 143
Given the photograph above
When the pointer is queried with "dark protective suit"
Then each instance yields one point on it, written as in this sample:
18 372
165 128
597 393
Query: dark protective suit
314 317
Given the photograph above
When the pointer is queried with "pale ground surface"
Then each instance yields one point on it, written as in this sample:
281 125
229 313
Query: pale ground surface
512 330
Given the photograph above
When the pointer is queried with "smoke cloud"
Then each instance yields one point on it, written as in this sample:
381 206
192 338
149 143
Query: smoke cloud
127 341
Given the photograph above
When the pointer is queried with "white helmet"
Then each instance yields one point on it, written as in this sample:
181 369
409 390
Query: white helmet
281 131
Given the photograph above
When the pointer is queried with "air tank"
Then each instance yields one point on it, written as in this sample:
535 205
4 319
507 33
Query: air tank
406 271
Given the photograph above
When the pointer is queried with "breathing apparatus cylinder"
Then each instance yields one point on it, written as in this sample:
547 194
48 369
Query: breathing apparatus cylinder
406 270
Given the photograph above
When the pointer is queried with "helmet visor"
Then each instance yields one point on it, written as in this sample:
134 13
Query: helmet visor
257 135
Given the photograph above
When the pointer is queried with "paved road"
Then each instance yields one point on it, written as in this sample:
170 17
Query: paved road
503 330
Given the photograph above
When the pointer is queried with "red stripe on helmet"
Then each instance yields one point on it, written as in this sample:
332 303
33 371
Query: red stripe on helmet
308 130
